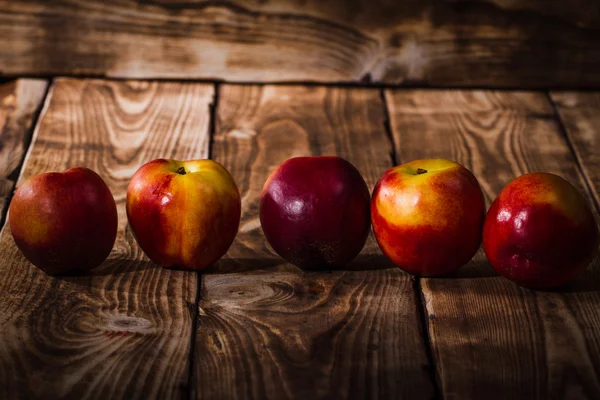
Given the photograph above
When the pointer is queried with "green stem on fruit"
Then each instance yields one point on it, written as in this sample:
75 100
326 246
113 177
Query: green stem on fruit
421 171
181 171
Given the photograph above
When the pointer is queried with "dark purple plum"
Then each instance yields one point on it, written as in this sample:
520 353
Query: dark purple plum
315 212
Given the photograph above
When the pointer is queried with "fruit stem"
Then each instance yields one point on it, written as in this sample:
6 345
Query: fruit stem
181 171
421 171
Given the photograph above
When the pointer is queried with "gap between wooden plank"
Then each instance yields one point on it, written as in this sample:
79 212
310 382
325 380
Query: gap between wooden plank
28 134
419 297
569 140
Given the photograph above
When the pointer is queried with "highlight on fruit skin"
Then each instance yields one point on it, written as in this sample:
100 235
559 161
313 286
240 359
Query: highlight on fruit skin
314 211
540 231
64 222
183 214
427 216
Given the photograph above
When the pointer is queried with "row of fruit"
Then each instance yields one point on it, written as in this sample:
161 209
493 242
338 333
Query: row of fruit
428 217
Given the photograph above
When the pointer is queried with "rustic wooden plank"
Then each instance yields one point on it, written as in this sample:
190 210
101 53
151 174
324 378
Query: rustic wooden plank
268 330
491 338
19 102
580 114
124 330
496 43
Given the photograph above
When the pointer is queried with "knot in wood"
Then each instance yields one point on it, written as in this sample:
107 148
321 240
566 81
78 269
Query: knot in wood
127 323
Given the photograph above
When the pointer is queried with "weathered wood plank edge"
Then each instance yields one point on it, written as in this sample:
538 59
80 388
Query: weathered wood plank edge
190 390
576 156
311 83
416 281
30 134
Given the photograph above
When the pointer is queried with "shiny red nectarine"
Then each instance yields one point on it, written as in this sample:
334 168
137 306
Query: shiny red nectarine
540 231
64 222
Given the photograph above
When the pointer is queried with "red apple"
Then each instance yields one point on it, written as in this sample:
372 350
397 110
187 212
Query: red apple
314 211
184 214
427 216
540 231
64 222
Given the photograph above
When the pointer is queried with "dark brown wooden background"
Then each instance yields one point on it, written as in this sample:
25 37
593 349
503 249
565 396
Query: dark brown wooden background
486 43
112 84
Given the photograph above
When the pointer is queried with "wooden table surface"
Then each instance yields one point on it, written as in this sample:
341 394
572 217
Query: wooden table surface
254 326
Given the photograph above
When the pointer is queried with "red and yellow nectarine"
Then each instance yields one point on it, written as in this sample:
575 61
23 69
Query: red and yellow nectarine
428 215
184 214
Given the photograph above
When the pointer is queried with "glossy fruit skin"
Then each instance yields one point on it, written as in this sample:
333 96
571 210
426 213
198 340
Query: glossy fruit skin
540 232
314 211
430 223
186 219
64 222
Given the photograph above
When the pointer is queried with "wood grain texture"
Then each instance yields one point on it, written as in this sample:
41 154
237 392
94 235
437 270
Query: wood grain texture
491 338
580 114
268 330
519 43
19 102
123 330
